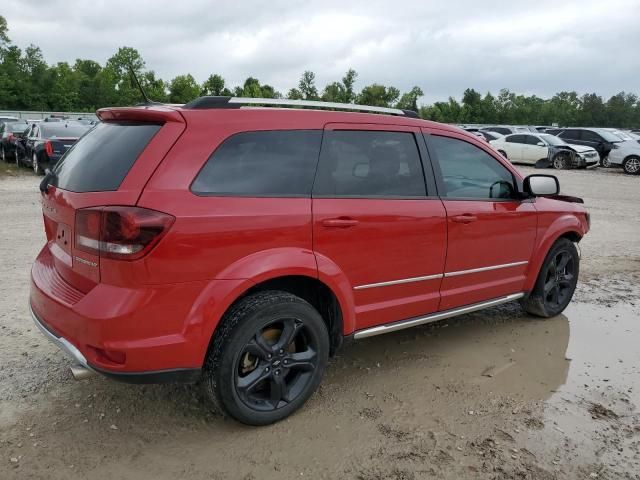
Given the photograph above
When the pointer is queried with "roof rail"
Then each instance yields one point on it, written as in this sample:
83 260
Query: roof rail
238 102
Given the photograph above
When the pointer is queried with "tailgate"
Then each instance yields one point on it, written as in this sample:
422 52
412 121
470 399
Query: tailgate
108 166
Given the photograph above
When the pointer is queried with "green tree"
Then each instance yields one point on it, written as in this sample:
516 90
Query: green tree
183 89
214 85
409 100
378 95
307 86
4 32
119 67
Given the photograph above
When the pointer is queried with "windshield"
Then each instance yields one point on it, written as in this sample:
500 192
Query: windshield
609 137
551 139
63 130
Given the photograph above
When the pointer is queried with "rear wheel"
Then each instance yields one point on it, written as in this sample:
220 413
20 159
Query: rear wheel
556 281
267 358
631 165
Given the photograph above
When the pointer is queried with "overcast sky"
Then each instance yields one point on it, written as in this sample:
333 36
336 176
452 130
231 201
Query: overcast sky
535 47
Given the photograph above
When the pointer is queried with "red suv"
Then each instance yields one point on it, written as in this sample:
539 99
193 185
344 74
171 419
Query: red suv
241 244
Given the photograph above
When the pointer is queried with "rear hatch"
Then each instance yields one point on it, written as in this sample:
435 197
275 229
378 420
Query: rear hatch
108 166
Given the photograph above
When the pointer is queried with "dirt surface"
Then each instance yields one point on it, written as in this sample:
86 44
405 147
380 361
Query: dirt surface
491 395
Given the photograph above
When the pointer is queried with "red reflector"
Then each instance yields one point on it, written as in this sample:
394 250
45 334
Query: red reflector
48 148
125 233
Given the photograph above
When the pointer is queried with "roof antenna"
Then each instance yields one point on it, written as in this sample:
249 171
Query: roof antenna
142 92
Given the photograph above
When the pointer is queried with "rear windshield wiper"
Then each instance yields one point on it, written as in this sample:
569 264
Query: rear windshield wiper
50 178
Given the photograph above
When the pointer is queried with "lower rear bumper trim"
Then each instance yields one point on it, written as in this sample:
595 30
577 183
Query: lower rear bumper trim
178 375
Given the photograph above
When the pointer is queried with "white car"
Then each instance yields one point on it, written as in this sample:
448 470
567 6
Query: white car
626 155
530 148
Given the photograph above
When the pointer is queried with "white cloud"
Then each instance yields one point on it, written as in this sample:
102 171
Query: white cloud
444 47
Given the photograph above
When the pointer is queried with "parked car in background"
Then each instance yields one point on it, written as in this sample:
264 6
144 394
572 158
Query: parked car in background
598 138
10 135
531 148
624 135
45 142
234 245
488 136
6 119
508 129
624 154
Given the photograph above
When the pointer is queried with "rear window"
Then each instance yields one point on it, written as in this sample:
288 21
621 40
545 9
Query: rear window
63 131
101 159
278 163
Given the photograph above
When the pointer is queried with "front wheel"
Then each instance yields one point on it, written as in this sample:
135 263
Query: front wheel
561 162
268 356
556 281
605 162
631 165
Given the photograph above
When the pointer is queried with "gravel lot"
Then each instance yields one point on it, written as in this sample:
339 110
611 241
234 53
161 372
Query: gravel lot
496 394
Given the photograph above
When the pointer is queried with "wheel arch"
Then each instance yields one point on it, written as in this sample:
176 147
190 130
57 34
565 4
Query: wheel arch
568 227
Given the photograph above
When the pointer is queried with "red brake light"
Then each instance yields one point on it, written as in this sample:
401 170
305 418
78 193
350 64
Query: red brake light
122 233
10 137
48 147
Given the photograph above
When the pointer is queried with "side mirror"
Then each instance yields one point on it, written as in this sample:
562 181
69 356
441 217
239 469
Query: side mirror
541 144
538 184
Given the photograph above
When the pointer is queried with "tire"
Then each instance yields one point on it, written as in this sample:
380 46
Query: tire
3 154
246 374
35 164
631 165
605 163
554 287
503 153
561 162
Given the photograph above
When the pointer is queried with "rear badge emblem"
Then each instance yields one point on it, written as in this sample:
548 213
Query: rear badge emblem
85 262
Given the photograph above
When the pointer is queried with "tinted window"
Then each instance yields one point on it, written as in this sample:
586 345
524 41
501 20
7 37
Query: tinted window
516 139
531 140
369 164
270 163
15 127
61 130
502 130
469 172
570 134
590 136
101 159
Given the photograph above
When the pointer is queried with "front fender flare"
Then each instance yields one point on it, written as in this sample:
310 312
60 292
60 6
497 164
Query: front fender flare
566 224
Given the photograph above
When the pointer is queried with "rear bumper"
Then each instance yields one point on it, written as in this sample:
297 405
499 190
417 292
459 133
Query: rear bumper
141 334
179 375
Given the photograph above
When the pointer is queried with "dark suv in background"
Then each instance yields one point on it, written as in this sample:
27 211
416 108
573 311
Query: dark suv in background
599 139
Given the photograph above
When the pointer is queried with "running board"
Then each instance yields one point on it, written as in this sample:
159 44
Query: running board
434 317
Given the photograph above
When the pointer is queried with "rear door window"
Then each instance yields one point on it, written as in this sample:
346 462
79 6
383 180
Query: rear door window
570 134
516 139
278 163
101 159
369 164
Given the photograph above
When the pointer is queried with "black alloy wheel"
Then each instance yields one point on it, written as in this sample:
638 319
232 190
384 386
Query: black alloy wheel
559 281
267 357
275 365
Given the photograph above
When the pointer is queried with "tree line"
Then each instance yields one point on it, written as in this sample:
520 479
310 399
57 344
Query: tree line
27 82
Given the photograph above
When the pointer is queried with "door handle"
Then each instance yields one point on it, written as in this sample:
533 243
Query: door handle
464 218
340 222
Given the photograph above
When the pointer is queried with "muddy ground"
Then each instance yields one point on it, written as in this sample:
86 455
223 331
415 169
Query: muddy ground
497 394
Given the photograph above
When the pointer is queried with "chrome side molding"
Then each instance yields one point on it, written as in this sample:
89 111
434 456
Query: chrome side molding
412 322
485 269
398 282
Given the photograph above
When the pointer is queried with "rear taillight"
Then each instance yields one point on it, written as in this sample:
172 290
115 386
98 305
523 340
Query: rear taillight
122 233
48 148
10 137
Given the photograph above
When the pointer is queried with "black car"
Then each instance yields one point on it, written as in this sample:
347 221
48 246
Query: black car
45 142
599 139
10 134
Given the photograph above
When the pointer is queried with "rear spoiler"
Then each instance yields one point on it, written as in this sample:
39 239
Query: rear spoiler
140 114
